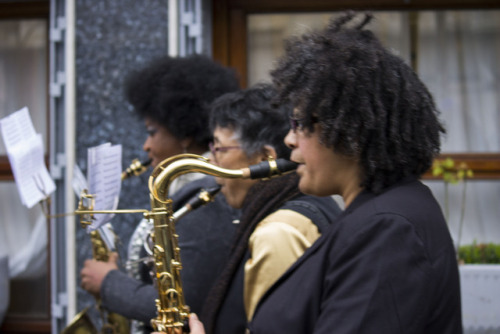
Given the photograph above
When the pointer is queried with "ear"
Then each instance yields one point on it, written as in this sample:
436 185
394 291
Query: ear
268 151
185 144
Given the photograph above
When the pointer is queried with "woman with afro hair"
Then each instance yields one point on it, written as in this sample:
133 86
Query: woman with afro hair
173 96
364 127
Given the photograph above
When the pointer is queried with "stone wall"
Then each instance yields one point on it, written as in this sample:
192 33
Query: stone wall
112 38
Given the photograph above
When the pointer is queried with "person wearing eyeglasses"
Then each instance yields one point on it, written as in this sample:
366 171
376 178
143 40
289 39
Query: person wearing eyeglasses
365 127
172 95
277 224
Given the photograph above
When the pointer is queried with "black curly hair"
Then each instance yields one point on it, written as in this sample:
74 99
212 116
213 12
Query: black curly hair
176 92
254 118
369 104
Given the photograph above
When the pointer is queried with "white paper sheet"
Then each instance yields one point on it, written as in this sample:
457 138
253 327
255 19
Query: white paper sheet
25 152
104 178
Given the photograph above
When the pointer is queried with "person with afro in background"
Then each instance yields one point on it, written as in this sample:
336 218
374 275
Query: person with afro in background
172 95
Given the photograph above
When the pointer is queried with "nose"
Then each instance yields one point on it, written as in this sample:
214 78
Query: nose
146 146
291 139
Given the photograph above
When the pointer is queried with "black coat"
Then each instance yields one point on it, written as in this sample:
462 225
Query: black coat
387 265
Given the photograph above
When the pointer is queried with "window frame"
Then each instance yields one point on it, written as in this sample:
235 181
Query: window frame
229 45
12 11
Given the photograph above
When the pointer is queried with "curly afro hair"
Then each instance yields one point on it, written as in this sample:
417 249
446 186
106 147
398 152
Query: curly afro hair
176 93
369 104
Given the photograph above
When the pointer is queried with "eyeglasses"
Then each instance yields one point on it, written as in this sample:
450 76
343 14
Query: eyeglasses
298 123
214 149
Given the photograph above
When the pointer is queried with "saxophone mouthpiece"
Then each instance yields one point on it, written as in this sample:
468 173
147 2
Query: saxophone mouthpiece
147 162
204 196
270 168
136 168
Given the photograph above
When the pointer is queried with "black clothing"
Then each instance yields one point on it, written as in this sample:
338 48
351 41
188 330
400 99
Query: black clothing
224 310
387 265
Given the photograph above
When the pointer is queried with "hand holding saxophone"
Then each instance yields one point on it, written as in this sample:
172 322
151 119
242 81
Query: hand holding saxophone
195 326
94 271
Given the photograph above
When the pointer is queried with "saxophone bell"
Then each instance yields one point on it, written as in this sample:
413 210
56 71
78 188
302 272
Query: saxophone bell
81 323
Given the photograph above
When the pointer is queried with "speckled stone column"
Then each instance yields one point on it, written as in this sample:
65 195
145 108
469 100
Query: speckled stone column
114 37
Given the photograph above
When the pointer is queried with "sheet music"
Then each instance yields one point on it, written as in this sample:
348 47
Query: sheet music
25 152
17 127
104 177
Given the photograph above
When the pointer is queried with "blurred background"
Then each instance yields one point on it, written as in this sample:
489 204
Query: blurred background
66 60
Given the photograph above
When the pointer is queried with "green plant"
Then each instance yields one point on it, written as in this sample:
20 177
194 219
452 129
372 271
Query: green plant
453 173
479 253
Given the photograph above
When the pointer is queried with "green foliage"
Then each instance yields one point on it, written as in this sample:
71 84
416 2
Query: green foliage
450 171
479 253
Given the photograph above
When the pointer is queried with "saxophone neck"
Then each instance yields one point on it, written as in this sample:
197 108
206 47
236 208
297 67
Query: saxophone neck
168 170
171 168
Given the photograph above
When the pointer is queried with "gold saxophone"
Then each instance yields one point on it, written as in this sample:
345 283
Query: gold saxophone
113 323
143 240
172 312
